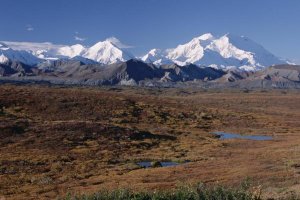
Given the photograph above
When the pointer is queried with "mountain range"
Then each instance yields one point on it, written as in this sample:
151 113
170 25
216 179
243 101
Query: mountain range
206 61
137 73
225 52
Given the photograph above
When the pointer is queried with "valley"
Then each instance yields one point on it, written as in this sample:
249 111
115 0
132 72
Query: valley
76 139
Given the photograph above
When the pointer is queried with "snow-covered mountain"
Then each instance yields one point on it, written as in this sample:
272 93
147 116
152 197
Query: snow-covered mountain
7 54
104 52
157 57
107 53
224 52
45 50
3 59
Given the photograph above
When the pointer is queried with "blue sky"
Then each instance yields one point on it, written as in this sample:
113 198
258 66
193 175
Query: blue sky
147 24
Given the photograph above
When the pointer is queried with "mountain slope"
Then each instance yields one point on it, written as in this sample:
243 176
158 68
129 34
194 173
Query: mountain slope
135 72
278 76
190 52
107 53
278 73
7 54
224 52
104 52
157 57
14 68
189 72
251 55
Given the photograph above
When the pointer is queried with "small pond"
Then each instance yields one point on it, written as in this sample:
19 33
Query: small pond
147 164
226 136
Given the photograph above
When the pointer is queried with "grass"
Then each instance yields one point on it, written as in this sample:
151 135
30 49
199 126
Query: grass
55 139
199 192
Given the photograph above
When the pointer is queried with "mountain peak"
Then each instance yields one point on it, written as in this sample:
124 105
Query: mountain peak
3 59
20 56
77 46
156 56
227 51
115 41
112 40
107 52
102 44
206 36
154 51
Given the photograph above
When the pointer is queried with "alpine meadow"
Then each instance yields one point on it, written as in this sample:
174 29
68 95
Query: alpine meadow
150 100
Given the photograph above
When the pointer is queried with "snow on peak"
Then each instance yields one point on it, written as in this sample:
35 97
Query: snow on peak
190 52
157 57
115 41
44 50
21 56
152 55
107 53
8 53
182 54
227 51
154 51
206 36
3 59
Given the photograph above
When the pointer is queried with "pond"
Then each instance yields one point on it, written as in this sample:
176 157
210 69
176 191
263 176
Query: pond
147 164
226 136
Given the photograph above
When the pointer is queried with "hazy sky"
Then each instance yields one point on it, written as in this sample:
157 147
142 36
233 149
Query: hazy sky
147 24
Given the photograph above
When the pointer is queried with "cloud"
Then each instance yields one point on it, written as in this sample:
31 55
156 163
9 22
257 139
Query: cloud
79 38
29 27
32 46
118 43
